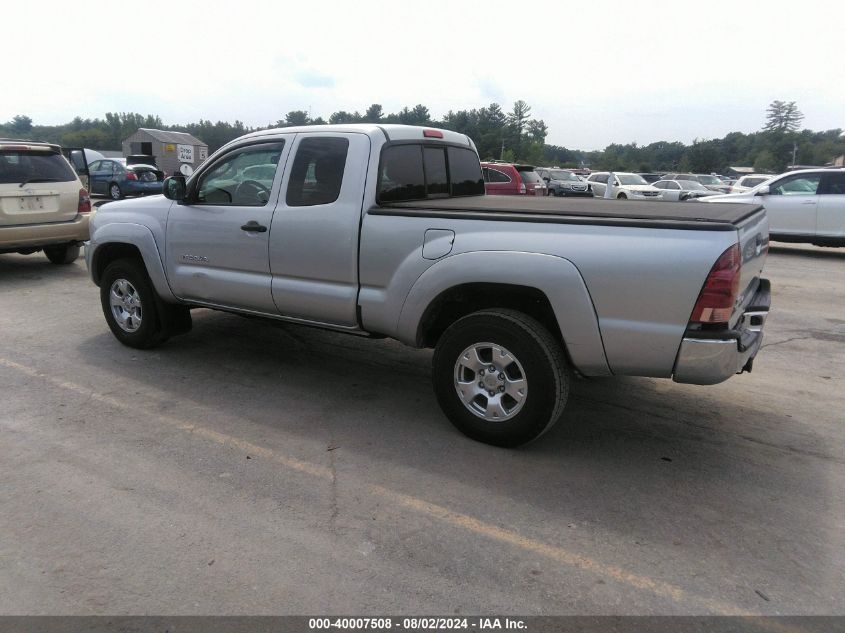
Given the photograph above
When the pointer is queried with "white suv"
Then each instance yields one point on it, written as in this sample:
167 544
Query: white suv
806 205
43 205
624 186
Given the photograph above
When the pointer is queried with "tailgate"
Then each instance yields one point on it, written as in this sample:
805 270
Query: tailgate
38 203
754 245
37 185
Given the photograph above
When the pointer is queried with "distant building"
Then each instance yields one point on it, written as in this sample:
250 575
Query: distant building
736 172
170 149
839 161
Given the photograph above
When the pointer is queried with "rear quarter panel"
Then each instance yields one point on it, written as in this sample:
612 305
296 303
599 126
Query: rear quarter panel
622 295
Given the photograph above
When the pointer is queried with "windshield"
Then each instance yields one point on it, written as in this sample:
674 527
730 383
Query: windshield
691 185
709 180
631 179
559 174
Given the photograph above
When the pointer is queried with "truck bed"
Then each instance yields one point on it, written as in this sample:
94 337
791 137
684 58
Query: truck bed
656 214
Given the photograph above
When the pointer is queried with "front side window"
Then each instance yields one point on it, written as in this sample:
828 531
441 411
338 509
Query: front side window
798 185
317 172
230 181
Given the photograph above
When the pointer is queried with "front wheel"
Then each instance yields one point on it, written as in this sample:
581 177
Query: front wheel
64 254
135 314
500 377
621 196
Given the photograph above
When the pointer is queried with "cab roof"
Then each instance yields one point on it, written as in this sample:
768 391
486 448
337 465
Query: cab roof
387 131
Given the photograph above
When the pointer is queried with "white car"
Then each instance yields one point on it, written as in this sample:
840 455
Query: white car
749 182
807 205
624 186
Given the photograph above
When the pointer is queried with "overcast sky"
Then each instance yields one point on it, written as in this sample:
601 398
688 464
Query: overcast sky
596 72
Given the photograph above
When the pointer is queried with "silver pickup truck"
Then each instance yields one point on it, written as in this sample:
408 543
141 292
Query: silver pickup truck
385 231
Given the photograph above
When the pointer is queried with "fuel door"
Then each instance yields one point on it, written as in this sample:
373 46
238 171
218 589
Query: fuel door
437 243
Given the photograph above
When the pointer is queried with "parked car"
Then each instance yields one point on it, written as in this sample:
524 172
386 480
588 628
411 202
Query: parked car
384 230
43 205
711 182
625 186
110 178
561 182
508 179
745 183
806 205
680 190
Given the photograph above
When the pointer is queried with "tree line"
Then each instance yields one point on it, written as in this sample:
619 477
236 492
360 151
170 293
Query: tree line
513 135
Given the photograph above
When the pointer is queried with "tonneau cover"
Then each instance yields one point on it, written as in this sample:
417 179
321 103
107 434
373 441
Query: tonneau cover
700 215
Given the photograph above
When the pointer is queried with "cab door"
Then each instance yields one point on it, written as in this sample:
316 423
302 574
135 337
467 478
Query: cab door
314 237
792 202
830 216
218 236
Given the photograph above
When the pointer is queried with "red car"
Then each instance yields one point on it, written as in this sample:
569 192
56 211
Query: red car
507 179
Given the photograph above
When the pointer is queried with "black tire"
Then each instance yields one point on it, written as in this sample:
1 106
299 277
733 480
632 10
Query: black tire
64 254
159 320
115 192
540 356
621 196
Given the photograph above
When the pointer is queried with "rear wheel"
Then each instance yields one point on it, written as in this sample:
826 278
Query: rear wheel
64 254
621 196
115 192
500 377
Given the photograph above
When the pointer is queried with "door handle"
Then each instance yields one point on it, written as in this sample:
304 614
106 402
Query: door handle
254 227
809 202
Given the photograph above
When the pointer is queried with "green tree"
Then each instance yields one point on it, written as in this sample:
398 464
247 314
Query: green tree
20 124
374 113
783 117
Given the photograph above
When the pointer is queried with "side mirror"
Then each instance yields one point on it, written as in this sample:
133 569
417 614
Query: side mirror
763 191
174 188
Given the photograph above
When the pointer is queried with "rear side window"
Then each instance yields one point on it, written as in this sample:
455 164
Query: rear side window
836 183
497 176
317 172
18 166
416 172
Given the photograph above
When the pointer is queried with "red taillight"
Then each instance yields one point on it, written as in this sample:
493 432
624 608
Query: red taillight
130 175
84 205
716 302
432 134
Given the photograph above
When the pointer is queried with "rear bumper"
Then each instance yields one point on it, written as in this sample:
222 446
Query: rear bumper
38 235
707 358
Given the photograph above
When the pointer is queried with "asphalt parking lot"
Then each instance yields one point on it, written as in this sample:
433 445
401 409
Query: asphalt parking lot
256 469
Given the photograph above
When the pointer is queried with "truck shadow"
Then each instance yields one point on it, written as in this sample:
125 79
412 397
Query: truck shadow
817 252
681 467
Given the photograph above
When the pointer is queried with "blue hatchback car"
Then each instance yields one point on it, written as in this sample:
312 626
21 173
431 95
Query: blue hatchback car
115 180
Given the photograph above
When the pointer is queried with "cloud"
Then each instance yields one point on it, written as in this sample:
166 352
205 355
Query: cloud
489 89
313 79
